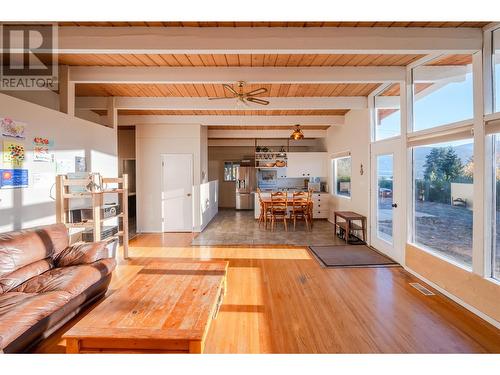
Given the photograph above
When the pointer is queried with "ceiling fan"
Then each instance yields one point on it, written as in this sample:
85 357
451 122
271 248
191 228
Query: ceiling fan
244 97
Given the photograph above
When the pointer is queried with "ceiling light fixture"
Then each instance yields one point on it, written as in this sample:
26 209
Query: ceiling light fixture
297 133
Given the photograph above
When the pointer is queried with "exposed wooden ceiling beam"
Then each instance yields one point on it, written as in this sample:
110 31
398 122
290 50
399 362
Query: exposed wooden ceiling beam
231 120
275 133
264 127
215 75
297 40
180 103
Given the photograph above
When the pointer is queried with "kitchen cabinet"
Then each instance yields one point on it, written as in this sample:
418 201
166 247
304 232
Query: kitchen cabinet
307 164
281 172
320 205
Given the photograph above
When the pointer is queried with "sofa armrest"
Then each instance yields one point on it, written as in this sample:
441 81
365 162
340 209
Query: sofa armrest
83 253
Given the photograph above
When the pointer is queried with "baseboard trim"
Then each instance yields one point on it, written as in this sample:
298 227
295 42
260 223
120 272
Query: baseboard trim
454 298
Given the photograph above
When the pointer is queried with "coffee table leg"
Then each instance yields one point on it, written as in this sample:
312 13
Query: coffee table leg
72 346
196 347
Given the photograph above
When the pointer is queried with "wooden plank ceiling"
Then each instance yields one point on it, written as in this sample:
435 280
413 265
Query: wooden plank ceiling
281 24
214 90
451 60
251 60
245 60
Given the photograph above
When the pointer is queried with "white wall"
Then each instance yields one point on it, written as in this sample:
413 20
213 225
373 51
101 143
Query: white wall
32 206
50 99
152 141
204 154
353 136
209 199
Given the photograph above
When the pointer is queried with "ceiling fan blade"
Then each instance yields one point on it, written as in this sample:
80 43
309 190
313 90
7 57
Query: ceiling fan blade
258 101
220 97
229 88
258 91
242 101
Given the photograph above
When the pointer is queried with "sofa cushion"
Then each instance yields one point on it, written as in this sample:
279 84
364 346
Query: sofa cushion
20 311
73 279
82 253
23 274
20 248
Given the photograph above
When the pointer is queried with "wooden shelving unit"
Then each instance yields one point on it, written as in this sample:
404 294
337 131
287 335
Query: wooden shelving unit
63 195
263 157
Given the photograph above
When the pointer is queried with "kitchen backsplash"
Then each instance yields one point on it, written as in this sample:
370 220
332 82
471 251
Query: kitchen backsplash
282 183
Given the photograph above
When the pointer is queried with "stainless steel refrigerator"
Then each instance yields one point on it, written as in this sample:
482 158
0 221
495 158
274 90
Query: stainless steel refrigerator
245 188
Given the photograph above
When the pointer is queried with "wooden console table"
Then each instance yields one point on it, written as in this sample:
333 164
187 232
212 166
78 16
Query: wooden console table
167 308
348 225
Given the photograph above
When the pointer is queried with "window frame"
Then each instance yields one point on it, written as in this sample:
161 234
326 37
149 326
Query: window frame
374 116
429 141
491 124
493 108
334 167
233 175
437 128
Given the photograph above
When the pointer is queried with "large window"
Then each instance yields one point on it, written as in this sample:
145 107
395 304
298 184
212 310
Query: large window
387 113
230 170
496 69
443 199
496 210
442 92
342 176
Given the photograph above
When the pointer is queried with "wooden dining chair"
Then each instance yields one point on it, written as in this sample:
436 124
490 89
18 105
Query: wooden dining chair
265 211
279 204
300 208
310 207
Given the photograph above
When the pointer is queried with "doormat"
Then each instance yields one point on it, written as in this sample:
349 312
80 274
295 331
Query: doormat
351 256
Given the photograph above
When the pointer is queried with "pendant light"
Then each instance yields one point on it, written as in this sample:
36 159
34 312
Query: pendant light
297 133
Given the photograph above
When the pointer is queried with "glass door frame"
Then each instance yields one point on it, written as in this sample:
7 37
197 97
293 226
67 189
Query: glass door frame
387 147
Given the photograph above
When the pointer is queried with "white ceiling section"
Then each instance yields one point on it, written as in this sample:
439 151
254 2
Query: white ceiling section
297 41
262 75
231 120
183 103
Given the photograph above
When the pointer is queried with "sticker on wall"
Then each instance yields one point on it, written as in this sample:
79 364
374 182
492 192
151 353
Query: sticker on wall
80 165
64 166
13 153
12 128
44 179
13 178
41 149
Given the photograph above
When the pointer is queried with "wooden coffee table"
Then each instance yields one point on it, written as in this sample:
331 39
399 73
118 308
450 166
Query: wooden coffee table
167 308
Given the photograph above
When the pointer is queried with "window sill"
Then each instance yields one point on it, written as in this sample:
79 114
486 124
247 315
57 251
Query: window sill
444 258
493 280
341 196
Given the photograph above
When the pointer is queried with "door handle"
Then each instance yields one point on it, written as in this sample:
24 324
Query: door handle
394 205
188 194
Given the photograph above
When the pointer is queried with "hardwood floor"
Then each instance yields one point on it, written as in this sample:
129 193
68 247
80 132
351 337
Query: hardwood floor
280 300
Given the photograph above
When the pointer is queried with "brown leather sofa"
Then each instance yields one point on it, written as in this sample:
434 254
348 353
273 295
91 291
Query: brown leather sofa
44 282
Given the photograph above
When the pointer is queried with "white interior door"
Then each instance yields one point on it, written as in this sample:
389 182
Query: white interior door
386 198
177 192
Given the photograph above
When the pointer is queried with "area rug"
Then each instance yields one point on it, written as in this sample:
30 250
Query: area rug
351 256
